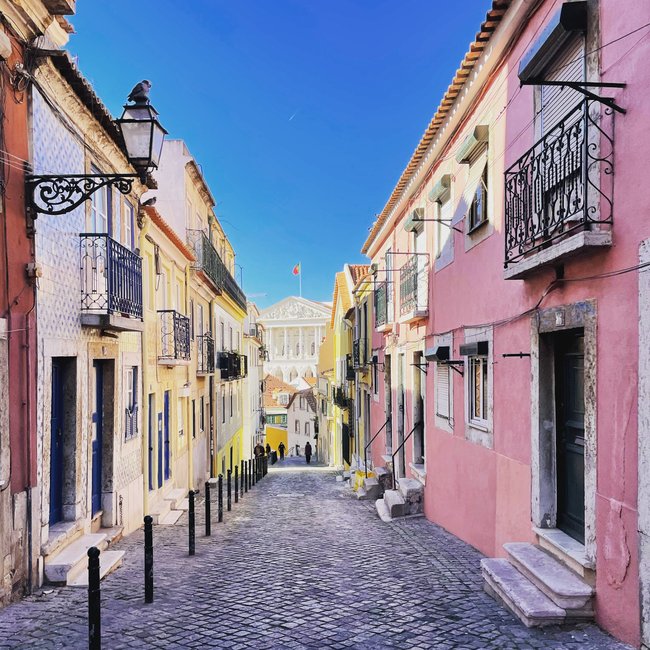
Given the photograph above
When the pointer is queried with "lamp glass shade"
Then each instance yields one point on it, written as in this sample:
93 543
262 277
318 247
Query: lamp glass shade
143 135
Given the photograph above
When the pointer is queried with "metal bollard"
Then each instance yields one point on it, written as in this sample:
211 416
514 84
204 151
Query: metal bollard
229 489
252 463
265 467
192 522
148 559
245 475
208 521
241 479
236 483
220 499
94 601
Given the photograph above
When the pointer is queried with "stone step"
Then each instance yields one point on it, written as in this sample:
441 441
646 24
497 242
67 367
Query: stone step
109 561
184 504
412 492
71 559
372 488
171 518
504 583
395 503
159 510
382 511
175 496
361 494
384 478
549 575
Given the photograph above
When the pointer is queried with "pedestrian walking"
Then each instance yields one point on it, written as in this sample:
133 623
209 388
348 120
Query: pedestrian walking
281 449
258 450
308 453
268 449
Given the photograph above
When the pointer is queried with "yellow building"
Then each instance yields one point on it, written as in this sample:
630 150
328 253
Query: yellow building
327 439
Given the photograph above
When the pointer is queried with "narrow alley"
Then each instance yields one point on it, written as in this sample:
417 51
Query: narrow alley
298 563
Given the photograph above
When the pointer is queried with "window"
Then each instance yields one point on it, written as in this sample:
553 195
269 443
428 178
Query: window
297 426
200 320
478 389
117 218
313 348
444 221
223 337
307 428
193 418
230 387
375 378
283 399
223 405
442 390
99 208
128 224
131 402
477 215
202 415
192 319
230 329
302 403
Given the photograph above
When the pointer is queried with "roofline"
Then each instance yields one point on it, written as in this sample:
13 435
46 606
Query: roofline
476 49
169 232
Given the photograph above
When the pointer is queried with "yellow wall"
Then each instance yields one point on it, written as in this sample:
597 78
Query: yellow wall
276 435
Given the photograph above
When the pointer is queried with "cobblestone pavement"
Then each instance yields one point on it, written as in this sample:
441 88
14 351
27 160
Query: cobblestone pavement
298 563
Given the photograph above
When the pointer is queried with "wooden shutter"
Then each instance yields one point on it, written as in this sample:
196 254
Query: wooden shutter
557 101
442 390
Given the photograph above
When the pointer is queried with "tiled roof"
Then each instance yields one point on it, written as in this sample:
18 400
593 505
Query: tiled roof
492 20
272 388
308 394
340 289
310 380
168 231
358 271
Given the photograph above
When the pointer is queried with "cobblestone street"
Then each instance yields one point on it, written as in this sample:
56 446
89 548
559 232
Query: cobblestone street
298 563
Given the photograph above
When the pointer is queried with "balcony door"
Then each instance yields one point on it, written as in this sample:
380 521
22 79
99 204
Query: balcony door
56 450
166 432
421 262
97 436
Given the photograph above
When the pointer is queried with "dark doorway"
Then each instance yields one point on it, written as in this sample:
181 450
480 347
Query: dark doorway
150 436
166 425
401 469
388 389
570 432
97 436
418 408
56 453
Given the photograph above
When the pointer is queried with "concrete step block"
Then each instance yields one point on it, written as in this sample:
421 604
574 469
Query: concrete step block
564 587
109 561
175 496
70 560
412 492
382 511
372 488
159 510
171 518
395 503
504 583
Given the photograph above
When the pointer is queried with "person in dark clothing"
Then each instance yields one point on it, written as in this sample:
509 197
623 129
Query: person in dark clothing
281 449
308 453
268 449
258 450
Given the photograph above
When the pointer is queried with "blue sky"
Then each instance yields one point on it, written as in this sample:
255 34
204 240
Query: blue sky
302 113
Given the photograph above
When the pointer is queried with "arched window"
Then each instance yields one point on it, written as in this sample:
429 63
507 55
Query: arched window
306 428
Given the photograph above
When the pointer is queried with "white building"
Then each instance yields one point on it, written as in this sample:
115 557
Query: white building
253 408
295 328
301 422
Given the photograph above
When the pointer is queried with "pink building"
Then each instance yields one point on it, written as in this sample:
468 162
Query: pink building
506 306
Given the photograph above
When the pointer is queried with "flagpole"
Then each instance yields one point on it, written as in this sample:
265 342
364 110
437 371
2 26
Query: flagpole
300 278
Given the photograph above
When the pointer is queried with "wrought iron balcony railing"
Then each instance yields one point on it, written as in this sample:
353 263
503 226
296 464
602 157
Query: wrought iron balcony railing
232 365
111 277
174 336
205 354
209 261
381 304
359 353
349 368
562 184
414 286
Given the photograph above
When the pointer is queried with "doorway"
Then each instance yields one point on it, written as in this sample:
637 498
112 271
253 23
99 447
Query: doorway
418 408
388 404
166 442
97 437
150 436
570 433
401 469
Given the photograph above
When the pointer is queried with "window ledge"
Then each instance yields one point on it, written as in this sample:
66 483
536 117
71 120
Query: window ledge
479 426
386 327
557 252
412 316
477 227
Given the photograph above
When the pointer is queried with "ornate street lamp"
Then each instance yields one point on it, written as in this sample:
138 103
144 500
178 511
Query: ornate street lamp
143 136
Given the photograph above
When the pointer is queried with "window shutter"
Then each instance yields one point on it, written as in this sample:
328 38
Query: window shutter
557 101
442 390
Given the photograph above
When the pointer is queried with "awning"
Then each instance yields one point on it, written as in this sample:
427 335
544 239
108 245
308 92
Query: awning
440 188
474 178
472 144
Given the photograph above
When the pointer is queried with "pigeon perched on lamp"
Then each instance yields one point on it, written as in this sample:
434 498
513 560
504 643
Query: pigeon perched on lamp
140 92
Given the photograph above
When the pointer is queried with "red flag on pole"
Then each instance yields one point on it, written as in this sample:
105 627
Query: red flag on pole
296 269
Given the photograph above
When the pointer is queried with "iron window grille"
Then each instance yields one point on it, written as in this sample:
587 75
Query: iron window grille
205 354
174 335
381 304
413 286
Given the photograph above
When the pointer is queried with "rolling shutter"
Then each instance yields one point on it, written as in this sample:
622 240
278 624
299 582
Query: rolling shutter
557 101
442 390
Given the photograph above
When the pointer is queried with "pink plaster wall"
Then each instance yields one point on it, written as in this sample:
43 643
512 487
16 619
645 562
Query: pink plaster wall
484 495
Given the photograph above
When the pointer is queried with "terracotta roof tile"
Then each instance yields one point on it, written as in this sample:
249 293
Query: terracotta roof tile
274 386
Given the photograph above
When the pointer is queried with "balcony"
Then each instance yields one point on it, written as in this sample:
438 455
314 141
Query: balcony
414 289
205 354
382 322
558 195
210 263
232 365
111 284
360 353
339 398
349 368
174 338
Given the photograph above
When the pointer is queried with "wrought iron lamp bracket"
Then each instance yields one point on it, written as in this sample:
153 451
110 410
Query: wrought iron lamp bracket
444 222
581 87
55 194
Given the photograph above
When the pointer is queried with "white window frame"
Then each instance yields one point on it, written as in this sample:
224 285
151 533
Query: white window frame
99 208
127 220
131 400
479 430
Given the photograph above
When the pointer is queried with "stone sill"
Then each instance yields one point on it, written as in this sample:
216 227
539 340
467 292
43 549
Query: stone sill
111 322
173 362
420 472
386 327
558 252
412 316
